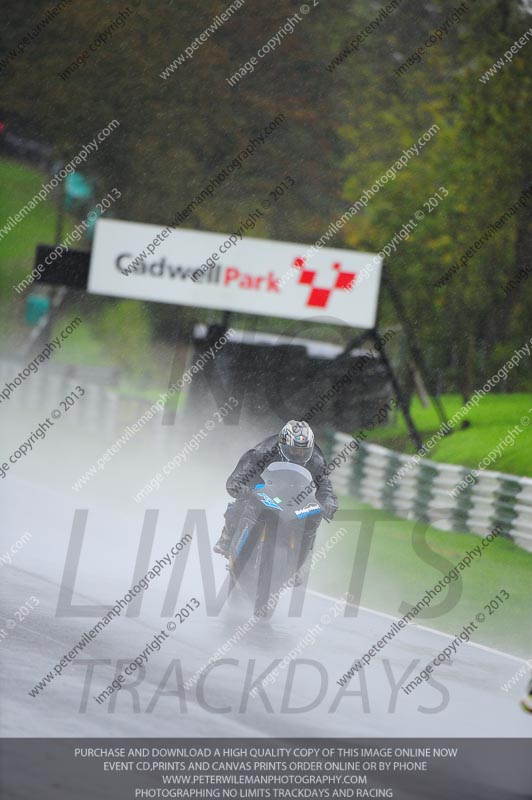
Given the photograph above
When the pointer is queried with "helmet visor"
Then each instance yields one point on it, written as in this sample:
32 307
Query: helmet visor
297 455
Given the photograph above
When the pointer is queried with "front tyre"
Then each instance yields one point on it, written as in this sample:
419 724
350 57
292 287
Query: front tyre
265 600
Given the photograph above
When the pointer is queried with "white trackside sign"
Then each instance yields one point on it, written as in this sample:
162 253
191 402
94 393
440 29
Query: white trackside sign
234 273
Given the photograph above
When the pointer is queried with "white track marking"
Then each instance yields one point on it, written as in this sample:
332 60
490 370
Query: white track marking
422 627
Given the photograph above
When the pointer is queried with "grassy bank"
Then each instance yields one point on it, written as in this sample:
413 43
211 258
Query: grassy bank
399 570
490 422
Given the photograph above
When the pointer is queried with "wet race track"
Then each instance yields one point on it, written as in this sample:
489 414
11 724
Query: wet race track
173 694
463 698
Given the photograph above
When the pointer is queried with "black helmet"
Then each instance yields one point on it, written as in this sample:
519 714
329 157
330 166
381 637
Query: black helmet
296 442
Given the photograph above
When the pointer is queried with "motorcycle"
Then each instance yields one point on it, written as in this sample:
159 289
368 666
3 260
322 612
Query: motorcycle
265 549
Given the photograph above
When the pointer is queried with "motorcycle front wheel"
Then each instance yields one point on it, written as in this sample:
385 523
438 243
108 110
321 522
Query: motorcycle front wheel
266 599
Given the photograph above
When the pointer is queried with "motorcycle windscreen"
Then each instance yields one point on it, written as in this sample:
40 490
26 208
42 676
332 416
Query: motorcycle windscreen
289 485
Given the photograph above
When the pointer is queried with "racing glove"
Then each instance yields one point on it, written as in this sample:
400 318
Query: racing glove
330 507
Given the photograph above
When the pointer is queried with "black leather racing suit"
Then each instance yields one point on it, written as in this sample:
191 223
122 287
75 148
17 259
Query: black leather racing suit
248 471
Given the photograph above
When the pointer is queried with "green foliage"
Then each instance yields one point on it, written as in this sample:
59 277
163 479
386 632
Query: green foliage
85 346
124 330
490 421
343 130
482 155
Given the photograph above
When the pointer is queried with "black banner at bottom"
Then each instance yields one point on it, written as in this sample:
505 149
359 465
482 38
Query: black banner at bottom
405 769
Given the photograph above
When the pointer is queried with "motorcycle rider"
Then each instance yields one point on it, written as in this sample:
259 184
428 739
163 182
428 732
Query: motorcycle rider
295 443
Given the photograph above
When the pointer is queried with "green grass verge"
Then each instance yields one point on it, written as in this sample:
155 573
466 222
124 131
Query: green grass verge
490 421
18 184
396 574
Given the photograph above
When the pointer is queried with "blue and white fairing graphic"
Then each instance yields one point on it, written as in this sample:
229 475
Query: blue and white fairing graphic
307 511
267 501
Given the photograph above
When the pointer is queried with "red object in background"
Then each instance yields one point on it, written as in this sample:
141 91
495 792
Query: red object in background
318 297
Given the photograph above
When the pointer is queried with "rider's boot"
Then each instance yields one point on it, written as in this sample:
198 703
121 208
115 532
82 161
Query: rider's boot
224 542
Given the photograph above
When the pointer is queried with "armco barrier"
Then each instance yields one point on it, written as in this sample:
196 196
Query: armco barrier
424 492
